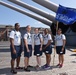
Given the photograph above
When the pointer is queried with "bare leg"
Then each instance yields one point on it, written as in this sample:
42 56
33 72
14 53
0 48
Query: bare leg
26 62
38 60
12 64
48 59
62 57
17 62
12 67
59 59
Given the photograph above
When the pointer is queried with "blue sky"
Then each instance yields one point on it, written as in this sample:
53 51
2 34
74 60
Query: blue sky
9 16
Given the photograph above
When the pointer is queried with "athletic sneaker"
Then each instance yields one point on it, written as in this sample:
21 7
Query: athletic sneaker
37 67
26 69
30 66
19 67
43 66
47 67
13 72
59 65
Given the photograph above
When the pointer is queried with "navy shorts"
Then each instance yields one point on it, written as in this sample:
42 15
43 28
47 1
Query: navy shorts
59 49
37 51
28 54
18 52
48 50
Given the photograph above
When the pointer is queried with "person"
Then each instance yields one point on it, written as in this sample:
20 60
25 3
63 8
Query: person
38 41
3 32
47 48
60 41
27 48
15 47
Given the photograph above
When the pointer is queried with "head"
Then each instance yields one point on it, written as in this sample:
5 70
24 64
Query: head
28 28
46 31
17 26
36 30
59 31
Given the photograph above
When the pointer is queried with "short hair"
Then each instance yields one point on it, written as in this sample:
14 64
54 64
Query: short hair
27 26
46 29
36 28
16 24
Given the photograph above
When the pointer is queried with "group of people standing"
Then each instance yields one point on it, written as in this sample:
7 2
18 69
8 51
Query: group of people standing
42 44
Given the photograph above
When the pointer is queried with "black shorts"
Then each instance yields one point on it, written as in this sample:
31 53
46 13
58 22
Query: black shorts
59 50
48 50
37 51
28 54
18 52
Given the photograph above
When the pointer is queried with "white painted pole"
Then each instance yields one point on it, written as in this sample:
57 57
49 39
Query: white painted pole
45 21
55 45
36 10
48 4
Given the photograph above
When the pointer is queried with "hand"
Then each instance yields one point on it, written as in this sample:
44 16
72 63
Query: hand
40 48
14 51
62 49
28 50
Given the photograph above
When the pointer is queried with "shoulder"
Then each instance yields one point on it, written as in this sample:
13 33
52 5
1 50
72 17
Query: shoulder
49 35
19 32
62 35
40 34
25 34
12 32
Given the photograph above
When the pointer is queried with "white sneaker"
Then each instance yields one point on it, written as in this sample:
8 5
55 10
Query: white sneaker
37 67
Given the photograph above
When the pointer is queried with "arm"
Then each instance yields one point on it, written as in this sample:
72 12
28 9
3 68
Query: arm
12 41
33 42
34 45
64 42
21 45
41 40
26 44
49 42
21 42
12 44
3 32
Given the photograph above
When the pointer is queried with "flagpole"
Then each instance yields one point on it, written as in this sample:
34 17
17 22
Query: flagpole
55 44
